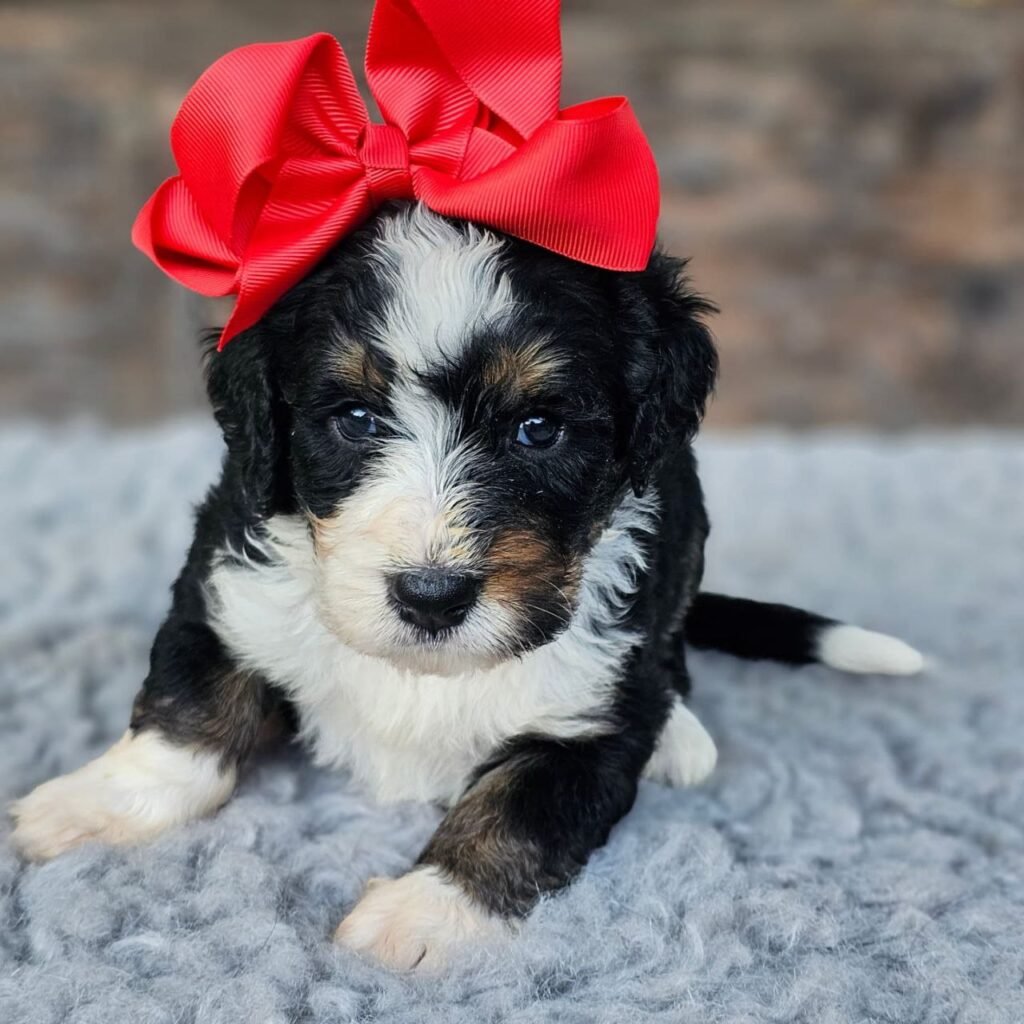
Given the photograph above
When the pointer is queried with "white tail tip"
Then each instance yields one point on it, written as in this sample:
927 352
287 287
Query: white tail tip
852 649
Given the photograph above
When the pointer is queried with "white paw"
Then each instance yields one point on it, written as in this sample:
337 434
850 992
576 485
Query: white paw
416 921
685 754
141 786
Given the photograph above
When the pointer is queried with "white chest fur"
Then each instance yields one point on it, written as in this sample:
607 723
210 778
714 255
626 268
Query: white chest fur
411 736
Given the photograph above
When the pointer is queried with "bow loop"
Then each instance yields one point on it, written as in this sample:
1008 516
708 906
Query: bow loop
252 109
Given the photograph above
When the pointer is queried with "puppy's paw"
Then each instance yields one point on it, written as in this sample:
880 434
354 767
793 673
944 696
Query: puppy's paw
685 754
414 922
141 786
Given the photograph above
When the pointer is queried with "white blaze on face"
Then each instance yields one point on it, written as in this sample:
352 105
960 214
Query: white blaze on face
412 507
444 280
408 511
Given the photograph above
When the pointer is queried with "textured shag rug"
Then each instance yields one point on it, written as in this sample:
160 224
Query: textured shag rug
857 856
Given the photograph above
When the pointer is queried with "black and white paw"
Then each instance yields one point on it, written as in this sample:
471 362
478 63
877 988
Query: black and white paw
686 754
416 922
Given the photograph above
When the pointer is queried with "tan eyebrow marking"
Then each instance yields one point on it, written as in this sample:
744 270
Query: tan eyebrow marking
526 368
354 364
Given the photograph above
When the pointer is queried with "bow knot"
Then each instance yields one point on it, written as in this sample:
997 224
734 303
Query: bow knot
384 151
279 159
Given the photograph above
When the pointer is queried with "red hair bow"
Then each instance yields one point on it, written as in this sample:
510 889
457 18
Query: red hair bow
279 159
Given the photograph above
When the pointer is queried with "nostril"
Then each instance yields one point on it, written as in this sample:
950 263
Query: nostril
434 598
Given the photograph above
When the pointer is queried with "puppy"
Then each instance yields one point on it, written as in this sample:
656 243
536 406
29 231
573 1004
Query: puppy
458 540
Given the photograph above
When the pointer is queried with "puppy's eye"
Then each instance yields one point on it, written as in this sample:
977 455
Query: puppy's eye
539 432
355 423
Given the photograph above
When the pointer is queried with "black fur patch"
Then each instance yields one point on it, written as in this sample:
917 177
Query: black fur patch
754 629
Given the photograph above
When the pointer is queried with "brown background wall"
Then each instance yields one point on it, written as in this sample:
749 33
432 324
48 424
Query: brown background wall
847 175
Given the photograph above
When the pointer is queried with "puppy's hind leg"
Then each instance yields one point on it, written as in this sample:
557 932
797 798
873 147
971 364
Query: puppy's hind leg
686 754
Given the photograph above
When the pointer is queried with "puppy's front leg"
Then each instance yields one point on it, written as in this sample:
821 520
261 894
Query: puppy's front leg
195 718
524 828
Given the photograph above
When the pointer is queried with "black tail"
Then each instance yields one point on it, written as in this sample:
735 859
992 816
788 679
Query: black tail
777 632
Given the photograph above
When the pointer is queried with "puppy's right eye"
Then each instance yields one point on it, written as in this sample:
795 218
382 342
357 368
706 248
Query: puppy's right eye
355 423
539 432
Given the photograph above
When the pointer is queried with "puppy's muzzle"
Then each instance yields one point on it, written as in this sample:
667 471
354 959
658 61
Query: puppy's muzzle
434 600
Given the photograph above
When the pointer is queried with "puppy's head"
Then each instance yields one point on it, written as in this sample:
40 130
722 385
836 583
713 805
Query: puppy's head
458 414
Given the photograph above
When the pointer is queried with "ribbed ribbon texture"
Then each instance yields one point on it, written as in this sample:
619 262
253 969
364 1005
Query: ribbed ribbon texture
278 158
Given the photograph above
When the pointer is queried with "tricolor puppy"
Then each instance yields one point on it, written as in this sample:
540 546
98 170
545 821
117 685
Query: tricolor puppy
458 539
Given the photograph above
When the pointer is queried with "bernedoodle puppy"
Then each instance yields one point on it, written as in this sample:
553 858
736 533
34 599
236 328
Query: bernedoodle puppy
458 543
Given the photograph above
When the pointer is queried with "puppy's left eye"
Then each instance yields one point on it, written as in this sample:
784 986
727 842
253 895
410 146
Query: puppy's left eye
355 423
539 432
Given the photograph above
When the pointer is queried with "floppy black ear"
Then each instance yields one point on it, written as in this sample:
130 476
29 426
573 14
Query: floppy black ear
251 415
673 364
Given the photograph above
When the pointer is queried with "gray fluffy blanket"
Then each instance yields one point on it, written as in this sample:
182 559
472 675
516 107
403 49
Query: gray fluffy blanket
857 856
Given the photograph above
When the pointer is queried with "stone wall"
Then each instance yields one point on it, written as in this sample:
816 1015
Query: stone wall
847 175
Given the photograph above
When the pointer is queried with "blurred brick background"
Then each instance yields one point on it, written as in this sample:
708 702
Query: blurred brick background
847 175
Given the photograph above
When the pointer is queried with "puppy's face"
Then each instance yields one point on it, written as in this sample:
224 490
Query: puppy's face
463 415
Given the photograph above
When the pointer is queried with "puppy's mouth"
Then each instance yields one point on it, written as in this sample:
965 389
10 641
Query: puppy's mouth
449 651
431 639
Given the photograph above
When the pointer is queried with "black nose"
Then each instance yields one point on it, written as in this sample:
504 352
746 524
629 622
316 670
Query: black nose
434 599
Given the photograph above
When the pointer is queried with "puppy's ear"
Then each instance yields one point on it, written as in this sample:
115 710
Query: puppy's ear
672 366
251 415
